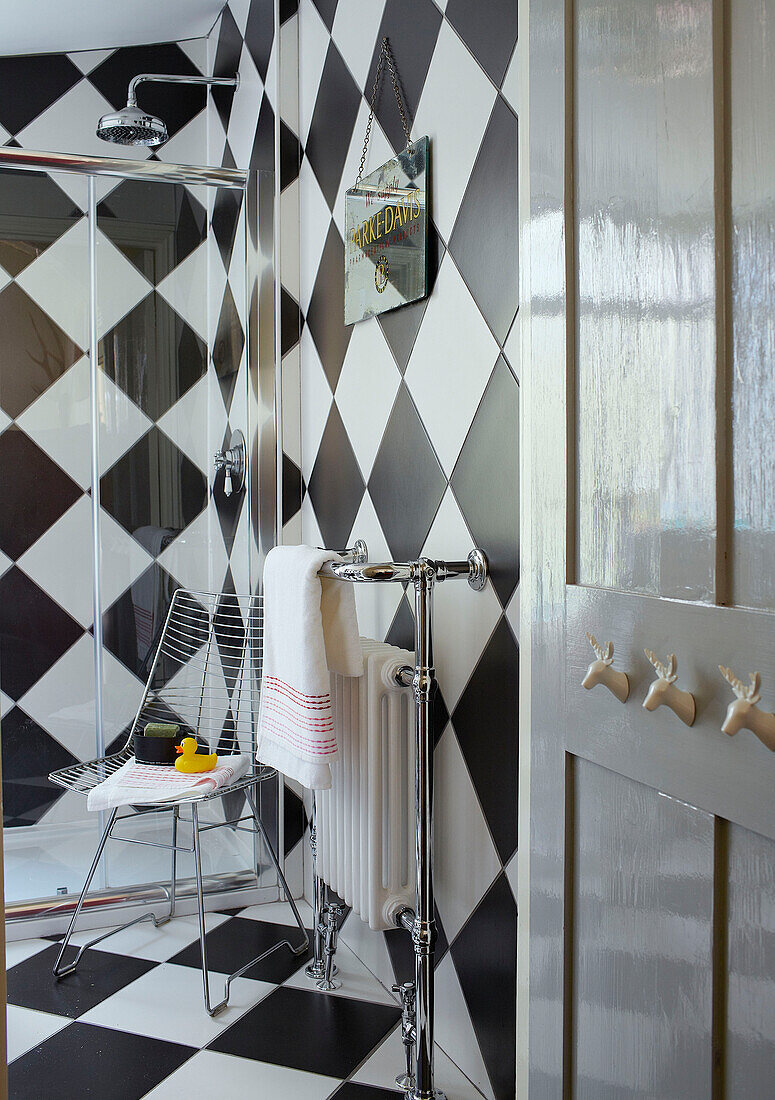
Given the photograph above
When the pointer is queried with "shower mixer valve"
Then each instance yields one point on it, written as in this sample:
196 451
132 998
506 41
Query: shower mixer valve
233 463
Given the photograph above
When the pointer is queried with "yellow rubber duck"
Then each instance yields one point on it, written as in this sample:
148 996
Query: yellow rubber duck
190 761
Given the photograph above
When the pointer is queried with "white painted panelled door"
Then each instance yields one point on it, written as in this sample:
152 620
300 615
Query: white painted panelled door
648 267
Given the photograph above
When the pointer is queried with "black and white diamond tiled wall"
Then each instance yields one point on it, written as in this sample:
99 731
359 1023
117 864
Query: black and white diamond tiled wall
410 437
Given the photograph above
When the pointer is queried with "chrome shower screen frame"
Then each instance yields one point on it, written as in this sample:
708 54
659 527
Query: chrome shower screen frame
258 189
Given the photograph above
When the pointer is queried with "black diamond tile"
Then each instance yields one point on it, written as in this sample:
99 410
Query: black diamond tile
484 241
335 486
331 129
153 356
155 228
259 33
132 624
85 1060
290 321
154 485
290 155
406 455
230 632
400 326
228 509
34 492
227 59
36 352
351 1091
262 154
491 702
177 104
237 941
401 632
294 818
227 346
288 8
412 27
35 214
303 1030
34 633
485 957
486 479
327 10
100 974
489 29
228 160
325 315
31 83
226 210
292 489
29 754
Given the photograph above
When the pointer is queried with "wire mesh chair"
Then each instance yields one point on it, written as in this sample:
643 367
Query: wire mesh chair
206 677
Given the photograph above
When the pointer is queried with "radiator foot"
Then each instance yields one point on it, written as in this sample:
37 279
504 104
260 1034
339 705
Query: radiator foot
333 914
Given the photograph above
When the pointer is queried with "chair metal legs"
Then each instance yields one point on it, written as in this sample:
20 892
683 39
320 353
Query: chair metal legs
61 971
298 950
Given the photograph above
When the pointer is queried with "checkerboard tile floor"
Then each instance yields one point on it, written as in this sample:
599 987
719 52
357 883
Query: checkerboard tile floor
130 1023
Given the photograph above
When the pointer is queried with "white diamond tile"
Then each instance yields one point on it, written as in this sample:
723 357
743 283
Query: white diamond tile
357 980
370 947
189 144
26 1028
121 422
144 941
244 110
310 530
380 150
457 653
60 422
196 50
122 559
121 694
238 412
62 701
291 404
207 1073
217 284
292 531
5 278
216 135
16 951
240 9
59 282
376 604
354 31
88 60
185 288
70 123
6 704
455 123
218 417
313 47
366 391
197 558
466 861
120 286
289 74
454 342
5 135
77 187
278 912
290 241
186 424
145 1006
240 554
454 1029
511 347
271 85
381 1067
314 218
237 264
316 399
60 562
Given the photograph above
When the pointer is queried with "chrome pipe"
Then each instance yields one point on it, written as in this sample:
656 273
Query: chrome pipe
27 160
176 78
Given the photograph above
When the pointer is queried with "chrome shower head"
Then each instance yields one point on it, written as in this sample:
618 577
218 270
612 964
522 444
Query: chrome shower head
131 126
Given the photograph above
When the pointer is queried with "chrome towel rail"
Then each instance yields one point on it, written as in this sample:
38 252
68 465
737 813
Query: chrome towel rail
423 574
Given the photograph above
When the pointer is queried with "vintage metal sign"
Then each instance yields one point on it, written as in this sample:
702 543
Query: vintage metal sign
386 242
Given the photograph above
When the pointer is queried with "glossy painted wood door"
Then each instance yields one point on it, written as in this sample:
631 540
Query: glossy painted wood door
648 259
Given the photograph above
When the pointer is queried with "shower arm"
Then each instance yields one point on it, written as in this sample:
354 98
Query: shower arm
172 78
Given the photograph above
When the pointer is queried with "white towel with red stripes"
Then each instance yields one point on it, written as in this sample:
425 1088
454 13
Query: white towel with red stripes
310 631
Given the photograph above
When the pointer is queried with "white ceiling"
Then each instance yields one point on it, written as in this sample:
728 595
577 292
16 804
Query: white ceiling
54 26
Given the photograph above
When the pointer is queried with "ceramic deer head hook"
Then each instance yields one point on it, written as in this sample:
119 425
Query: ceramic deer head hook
743 713
663 691
601 671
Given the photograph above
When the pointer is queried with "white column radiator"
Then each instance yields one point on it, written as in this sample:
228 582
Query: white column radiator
365 823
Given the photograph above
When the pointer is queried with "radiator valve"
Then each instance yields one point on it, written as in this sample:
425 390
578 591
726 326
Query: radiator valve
408 1032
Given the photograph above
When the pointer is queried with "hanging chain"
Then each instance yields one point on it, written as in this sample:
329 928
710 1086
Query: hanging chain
385 52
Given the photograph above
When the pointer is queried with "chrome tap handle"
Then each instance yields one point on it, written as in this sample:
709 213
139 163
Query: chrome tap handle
233 463
227 485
